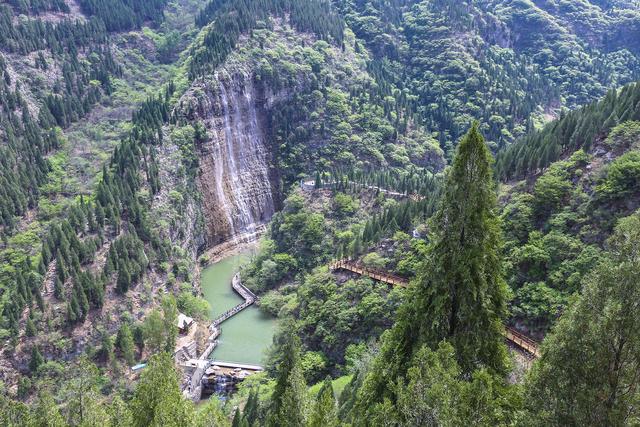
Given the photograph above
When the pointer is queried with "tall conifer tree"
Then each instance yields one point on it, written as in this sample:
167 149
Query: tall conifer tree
288 402
251 408
588 373
324 410
459 294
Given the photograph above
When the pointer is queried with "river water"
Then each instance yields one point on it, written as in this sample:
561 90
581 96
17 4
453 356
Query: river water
245 336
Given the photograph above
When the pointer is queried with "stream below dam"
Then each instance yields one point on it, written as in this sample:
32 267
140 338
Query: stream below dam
247 335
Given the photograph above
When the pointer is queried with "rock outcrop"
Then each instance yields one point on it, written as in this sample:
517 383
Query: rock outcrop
235 179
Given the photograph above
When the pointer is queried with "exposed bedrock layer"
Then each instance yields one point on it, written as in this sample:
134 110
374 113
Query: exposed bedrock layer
236 180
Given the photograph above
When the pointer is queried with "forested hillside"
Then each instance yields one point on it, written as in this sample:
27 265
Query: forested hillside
557 220
482 156
68 85
509 63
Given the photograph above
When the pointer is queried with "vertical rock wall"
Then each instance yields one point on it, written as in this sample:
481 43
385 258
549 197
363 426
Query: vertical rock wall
236 178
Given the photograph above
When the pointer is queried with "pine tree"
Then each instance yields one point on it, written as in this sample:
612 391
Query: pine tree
170 321
238 419
124 342
119 413
106 347
288 401
74 312
46 412
251 408
124 279
464 265
154 332
83 301
60 268
435 393
211 415
157 400
324 411
588 373
100 215
30 329
91 221
38 296
83 401
71 315
139 337
36 359
356 247
459 294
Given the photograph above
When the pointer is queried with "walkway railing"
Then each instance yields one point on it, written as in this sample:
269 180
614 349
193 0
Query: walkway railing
523 342
248 296
518 339
379 275
311 186
193 389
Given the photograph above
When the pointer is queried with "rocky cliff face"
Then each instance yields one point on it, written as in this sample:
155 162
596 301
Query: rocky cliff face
235 174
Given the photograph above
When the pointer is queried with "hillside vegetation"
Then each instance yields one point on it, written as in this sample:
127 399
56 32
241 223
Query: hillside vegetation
485 152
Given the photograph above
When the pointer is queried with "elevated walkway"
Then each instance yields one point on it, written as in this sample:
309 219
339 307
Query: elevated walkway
193 388
523 342
248 296
235 365
379 275
311 186
518 339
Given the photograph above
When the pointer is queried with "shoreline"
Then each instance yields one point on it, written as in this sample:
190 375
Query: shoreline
234 246
221 251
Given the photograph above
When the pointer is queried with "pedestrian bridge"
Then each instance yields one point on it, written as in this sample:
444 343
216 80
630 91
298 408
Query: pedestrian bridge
516 338
362 270
193 388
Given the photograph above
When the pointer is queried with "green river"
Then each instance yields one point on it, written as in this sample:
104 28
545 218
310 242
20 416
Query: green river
246 335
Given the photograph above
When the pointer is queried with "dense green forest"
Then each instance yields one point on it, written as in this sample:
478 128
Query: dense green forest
487 154
504 62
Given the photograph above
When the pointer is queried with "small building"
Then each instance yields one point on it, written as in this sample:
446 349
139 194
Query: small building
184 323
138 367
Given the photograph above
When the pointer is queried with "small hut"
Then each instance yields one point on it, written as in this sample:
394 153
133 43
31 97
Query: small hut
184 323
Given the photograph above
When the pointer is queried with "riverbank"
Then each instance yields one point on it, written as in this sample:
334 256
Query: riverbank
235 246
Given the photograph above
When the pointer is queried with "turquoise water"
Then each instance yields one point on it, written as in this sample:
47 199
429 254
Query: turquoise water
245 336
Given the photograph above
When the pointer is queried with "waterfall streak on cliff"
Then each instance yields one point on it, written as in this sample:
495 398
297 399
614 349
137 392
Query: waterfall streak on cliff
236 181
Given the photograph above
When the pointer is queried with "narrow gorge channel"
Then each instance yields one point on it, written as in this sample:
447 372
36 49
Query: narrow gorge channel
239 198
245 336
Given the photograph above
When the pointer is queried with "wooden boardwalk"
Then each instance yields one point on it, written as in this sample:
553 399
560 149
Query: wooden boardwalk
311 186
518 339
523 342
380 276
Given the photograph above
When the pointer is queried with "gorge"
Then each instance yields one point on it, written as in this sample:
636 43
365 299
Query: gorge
483 156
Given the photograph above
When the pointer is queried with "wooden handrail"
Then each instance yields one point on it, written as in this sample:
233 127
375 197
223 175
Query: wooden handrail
515 337
246 294
522 341
369 272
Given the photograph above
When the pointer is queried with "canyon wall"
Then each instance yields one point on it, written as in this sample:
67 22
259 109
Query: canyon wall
236 178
